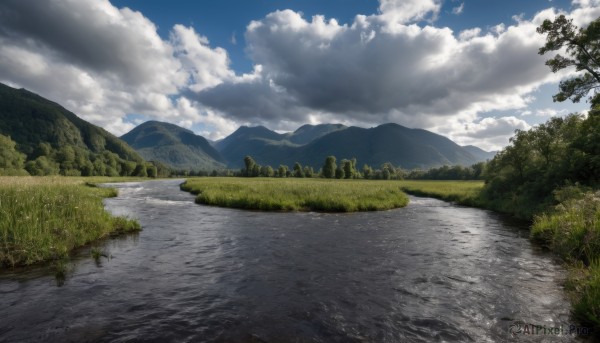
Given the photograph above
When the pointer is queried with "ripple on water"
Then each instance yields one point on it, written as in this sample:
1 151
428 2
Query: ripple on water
430 271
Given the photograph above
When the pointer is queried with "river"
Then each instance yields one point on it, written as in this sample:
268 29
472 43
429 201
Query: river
429 272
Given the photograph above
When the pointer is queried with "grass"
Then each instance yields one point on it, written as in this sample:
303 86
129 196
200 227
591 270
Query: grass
295 194
462 192
45 218
573 232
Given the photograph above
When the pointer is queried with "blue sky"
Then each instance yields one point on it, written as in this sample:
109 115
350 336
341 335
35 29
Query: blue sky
465 69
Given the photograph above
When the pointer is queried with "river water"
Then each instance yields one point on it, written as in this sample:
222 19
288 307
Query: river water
429 272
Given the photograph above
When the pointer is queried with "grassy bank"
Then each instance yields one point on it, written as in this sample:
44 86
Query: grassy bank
45 218
462 192
573 232
296 194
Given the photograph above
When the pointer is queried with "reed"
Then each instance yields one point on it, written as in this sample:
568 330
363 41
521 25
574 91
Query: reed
45 218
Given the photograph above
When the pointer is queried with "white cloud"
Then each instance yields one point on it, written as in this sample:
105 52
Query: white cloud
393 12
102 62
488 133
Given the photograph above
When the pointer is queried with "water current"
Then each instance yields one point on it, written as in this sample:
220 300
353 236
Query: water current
429 272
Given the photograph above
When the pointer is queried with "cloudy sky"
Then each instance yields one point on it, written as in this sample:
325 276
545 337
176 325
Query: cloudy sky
467 69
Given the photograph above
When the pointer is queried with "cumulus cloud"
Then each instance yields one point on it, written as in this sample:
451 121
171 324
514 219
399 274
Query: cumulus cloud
102 62
392 66
489 133
367 73
384 68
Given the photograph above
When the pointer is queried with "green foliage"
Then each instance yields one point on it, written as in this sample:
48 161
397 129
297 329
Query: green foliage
474 172
56 140
46 218
297 194
521 178
282 171
583 53
339 172
462 192
249 163
573 229
11 160
329 168
349 167
298 170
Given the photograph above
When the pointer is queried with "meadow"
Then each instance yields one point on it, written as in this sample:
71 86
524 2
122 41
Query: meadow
323 195
297 194
46 218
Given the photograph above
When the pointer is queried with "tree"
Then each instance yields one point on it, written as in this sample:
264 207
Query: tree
583 53
140 170
298 170
367 171
11 160
255 170
282 171
339 173
308 171
349 170
151 170
249 162
329 167
266 171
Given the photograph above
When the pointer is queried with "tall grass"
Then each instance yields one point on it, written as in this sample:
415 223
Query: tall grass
462 192
45 218
573 231
324 195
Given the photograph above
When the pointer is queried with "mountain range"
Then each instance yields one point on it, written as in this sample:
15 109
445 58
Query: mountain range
31 120
311 144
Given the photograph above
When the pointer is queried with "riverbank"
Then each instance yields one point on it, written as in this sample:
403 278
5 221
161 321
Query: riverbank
295 194
46 218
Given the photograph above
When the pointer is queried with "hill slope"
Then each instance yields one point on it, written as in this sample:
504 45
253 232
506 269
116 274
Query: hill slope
173 145
63 141
479 153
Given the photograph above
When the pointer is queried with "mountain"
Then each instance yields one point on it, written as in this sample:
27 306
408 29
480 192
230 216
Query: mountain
405 147
173 145
259 142
308 133
55 139
245 133
479 153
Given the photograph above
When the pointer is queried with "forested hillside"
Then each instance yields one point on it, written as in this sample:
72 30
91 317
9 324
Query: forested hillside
56 141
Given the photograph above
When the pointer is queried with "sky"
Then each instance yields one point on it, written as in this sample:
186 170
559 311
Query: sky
465 69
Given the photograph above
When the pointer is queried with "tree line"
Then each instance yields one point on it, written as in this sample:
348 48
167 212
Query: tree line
347 169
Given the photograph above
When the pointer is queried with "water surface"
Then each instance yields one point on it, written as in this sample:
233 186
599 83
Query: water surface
429 272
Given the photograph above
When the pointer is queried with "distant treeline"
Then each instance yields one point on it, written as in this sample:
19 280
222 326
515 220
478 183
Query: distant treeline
346 169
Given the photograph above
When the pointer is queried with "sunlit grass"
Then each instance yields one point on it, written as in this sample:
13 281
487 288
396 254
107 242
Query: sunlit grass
462 192
45 218
293 194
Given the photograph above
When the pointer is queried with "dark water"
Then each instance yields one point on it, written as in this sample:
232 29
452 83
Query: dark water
430 272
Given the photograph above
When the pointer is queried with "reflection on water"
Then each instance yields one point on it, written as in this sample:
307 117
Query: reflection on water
428 272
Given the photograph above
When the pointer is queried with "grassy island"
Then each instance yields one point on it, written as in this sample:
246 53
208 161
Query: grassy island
297 194
45 218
